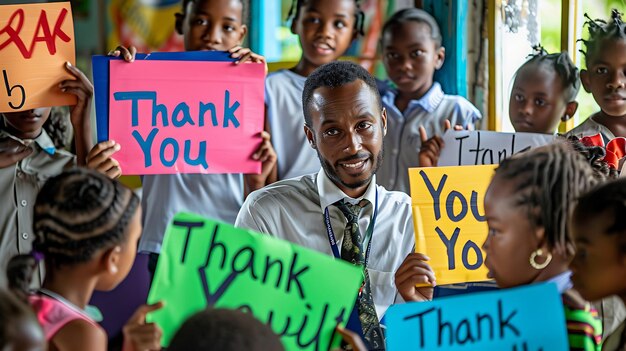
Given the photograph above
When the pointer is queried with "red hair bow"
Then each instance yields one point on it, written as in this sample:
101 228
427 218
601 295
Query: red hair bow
615 149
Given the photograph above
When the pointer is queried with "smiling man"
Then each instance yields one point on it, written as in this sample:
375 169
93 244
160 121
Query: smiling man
340 210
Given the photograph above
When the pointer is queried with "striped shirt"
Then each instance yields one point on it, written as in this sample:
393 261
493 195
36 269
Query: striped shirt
584 326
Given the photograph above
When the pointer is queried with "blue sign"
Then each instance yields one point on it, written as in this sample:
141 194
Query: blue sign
529 318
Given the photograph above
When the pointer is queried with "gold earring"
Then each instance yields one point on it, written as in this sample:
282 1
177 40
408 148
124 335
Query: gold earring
539 266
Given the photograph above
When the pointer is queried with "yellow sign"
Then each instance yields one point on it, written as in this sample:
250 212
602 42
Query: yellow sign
449 220
35 42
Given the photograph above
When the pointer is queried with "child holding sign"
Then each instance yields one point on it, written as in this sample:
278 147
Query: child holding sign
527 206
412 52
605 56
543 95
325 29
205 25
29 155
599 266
86 231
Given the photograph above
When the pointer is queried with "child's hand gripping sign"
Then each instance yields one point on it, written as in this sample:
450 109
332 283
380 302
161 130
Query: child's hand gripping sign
36 40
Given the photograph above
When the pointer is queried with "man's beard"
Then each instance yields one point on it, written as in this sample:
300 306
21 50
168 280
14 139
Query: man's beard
332 174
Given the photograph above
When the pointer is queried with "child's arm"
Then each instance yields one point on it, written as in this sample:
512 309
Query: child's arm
266 154
351 338
12 152
80 113
100 159
139 335
79 335
415 271
431 148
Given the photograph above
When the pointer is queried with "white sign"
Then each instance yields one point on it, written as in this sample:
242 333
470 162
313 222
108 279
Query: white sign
471 148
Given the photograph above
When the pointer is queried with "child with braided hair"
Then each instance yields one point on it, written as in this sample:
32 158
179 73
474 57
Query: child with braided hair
33 148
527 206
605 78
86 230
543 95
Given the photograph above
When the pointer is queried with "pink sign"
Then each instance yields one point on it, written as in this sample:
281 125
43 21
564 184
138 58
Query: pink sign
186 116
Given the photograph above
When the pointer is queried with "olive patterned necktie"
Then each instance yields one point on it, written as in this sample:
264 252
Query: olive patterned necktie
352 250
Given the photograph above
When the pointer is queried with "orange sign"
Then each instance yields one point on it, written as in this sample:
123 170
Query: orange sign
35 42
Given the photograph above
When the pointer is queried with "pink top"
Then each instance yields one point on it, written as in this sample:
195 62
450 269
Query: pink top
54 313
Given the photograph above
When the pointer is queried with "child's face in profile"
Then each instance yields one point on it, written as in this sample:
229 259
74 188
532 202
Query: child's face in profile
537 102
605 76
127 253
599 266
212 25
27 124
325 29
411 56
510 241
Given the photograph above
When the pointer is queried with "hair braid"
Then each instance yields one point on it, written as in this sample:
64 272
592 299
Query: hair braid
76 214
58 127
562 65
548 181
599 30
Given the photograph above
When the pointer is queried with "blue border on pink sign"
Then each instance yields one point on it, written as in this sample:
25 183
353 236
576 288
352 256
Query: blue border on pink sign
100 66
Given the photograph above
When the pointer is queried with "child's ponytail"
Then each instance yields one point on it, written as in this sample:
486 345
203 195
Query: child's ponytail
59 128
20 272
564 67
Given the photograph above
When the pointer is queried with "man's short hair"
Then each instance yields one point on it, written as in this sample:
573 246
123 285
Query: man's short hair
334 75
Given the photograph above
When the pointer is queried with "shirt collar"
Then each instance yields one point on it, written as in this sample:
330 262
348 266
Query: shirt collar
43 140
429 102
563 281
329 192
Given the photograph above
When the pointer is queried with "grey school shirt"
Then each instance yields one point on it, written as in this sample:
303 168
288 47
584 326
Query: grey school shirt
20 183
283 98
216 196
402 143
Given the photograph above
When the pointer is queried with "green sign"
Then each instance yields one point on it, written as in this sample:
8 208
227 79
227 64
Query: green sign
300 293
